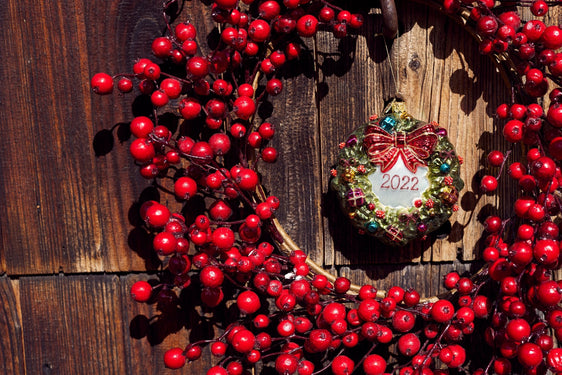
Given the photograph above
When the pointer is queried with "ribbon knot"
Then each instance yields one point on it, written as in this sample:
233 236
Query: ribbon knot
414 147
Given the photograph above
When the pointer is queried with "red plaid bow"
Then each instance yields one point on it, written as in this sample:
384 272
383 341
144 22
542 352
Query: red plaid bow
414 147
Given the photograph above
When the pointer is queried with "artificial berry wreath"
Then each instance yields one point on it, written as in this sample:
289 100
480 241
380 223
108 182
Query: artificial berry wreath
291 317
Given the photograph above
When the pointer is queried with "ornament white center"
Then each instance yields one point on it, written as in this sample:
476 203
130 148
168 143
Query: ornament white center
398 187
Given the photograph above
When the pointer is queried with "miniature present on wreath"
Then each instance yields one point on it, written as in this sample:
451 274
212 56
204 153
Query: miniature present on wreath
398 178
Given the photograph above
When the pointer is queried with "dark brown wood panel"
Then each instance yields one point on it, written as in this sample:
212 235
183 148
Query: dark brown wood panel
66 208
73 325
295 177
11 338
150 332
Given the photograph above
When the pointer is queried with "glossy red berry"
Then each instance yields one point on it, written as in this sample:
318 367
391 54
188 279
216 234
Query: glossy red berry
174 358
442 311
141 291
518 329
102 83
244 107
197 67
248 302
211 277
488 184
125 85
185 31
513 131
342 365
286 364
409 344
307 25
185 188
495 158
259 30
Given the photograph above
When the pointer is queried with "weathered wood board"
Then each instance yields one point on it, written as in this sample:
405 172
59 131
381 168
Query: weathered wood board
70 248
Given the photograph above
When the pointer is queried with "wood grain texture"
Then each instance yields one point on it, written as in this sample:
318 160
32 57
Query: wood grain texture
12 355
73 325
295 177
55 216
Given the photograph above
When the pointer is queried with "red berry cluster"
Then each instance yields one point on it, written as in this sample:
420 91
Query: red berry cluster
286 317
523 252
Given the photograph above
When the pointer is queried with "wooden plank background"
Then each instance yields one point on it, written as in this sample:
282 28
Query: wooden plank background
68 189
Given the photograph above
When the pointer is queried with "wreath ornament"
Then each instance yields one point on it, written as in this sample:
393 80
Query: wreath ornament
398 178
287 314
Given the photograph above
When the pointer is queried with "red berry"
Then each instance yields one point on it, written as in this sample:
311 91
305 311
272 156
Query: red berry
155 214
403 321
342 365
174 358
211 277
218 348
141 291
197 67
223 238
518 329
125 85
189 108
193 353
247 179
513 131
554 115
543 168
548 293
248 302
164 243
487 25
442 311
286 364
274 87
269 9
546 252
554 359
244 107
161 47
374 364
552 37
220 144
451 280
152 71
102 83
495 158
409 344
307 25
185 188
534 29
172 87
185 31
141 126
488 184
201 152
259 30
326 14
529 354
